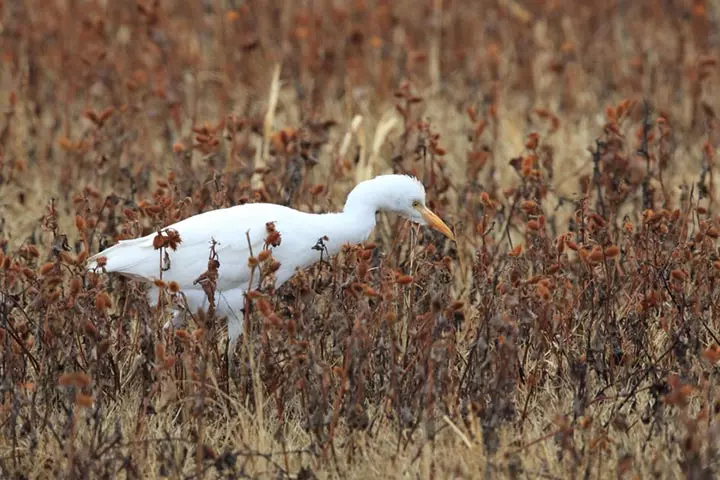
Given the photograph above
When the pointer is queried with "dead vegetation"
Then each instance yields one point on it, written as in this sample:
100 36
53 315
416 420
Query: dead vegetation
571 332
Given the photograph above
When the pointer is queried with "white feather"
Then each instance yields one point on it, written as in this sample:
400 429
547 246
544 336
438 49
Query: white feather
230 228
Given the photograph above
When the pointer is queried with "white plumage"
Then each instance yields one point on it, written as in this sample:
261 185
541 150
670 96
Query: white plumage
300 232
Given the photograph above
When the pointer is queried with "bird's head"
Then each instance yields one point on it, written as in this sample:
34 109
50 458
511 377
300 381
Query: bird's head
401 194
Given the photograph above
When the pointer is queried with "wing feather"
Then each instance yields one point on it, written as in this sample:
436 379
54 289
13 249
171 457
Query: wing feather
229 227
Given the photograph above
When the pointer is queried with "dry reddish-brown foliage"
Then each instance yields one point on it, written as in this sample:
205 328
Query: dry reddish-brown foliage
572 330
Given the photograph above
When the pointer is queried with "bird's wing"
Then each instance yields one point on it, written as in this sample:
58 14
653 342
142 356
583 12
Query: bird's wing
229 227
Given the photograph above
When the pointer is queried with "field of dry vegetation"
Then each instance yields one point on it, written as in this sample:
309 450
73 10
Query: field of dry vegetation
572 332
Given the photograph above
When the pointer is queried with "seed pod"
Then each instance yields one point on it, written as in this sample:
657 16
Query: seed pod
82 256
542 291
102 301
183 335
91 330
75 286
457 305
83 400
159 352
485 199
529 206
158 242
596 255
404 279
74 379
47 268
678 274
264 307
370 292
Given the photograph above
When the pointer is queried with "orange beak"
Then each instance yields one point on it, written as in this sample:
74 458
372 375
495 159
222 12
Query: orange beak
435 222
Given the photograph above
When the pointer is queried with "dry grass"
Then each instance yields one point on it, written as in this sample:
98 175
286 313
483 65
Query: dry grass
571 332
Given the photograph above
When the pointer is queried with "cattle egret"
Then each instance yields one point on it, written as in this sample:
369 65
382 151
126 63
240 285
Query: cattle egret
236 229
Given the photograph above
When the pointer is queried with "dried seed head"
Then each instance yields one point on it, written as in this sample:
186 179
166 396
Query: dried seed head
173 239
82 256
485 199
47 268
404 279
102 301
596 255
370 292
75 286
712 353
83 400
532 141
273 238
678 274
74 379
183 335
158 241
264 307
542 291
159 352
529 206
91 330
254 294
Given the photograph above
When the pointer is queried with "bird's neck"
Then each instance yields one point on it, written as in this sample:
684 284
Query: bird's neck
367 196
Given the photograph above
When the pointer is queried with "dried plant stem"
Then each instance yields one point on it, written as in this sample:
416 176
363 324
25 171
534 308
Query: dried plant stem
263 153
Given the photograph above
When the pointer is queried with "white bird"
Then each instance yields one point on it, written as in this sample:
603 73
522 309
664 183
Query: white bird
231 227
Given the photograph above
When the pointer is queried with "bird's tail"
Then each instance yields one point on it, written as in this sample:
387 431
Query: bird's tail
127 256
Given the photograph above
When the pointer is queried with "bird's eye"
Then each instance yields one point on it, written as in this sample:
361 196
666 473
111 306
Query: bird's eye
416 203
